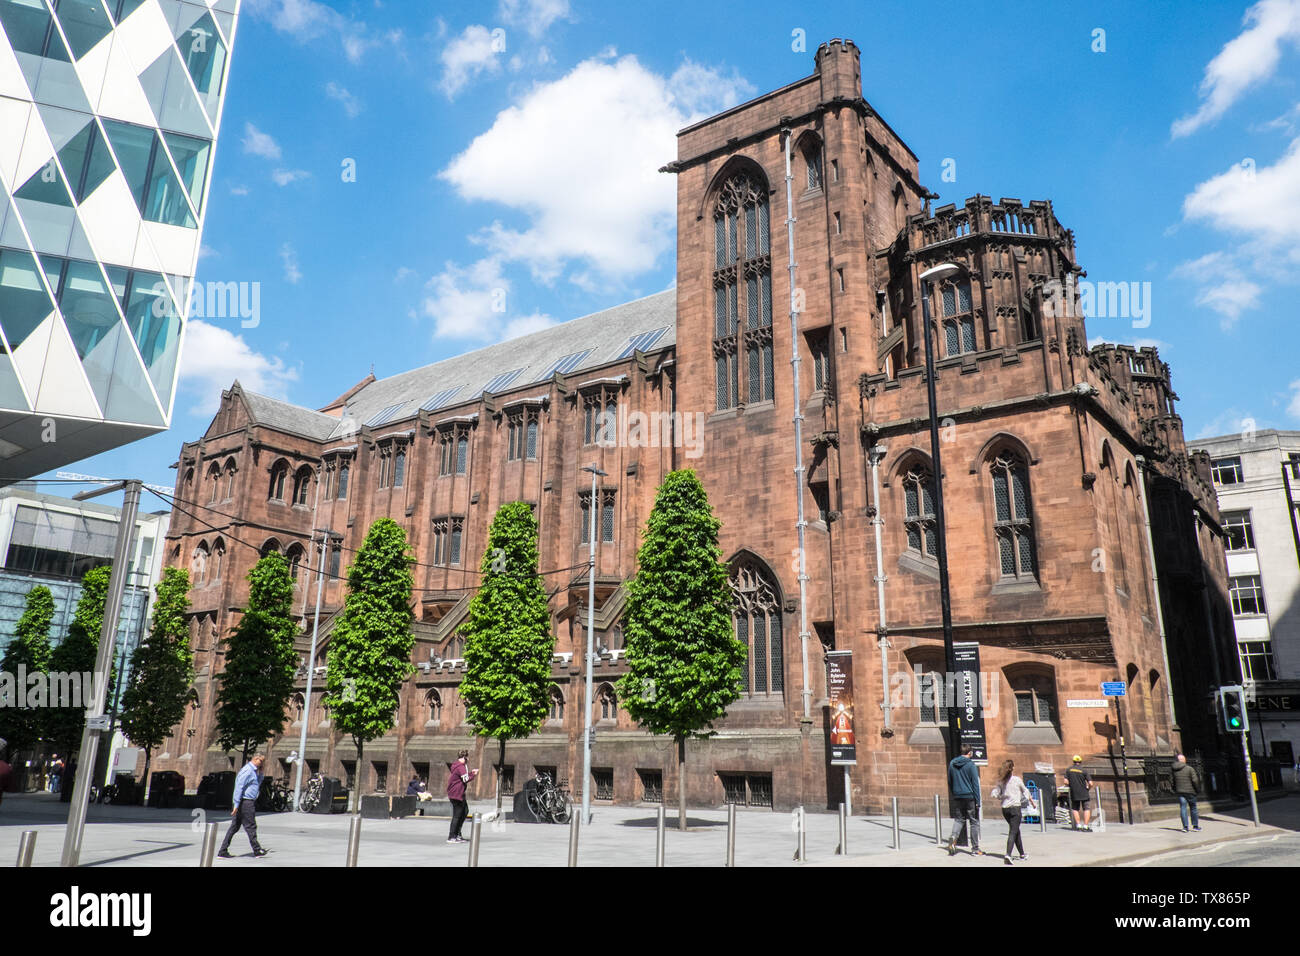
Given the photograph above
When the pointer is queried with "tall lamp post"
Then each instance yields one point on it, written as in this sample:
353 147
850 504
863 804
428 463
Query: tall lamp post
311 668
928 279
591 624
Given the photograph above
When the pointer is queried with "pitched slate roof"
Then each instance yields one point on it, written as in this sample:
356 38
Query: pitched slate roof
602 336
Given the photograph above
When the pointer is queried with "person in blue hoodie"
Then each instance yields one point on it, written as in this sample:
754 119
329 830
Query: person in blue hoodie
964 786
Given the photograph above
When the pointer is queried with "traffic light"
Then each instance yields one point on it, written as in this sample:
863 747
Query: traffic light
1232 702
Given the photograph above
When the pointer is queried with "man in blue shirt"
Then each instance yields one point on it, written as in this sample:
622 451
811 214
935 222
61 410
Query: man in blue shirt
244 811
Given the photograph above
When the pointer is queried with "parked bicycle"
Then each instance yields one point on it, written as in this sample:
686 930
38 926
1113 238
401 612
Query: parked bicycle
274 797
312 795
547 801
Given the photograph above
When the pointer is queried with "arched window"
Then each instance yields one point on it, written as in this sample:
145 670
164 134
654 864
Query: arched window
606 703
742 256
957 316
296 708
199 564
556 711
279 472
214 481
462 454
399 467
1035 692
1013 520
230 479
345 469
757 621
218 560
918 511
270 546
294 557
433 701
812 157
301 482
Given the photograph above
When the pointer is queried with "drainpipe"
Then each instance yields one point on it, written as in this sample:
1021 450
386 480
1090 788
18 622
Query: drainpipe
801 524
877 453
1155 586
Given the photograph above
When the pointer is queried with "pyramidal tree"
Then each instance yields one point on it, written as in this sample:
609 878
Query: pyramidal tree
684 663
28 653
509 643
370 647
260 663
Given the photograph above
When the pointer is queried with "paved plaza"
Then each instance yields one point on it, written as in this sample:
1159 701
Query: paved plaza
617 836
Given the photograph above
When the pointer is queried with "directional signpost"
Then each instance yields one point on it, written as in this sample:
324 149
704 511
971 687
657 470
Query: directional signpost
1118 689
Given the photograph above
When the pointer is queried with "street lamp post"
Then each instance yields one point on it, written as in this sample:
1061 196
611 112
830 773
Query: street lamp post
311 668
928 279
591 624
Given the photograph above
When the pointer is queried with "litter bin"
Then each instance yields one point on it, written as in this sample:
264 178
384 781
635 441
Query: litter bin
1043 788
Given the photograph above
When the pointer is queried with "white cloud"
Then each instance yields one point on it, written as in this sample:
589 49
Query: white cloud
473 302
283 177
403 272
289 256
214 357
240 190
598 201
475 51
1223 286
1231 421
308 20
1293 407
351 105
258 143
1261 201
535 16
1245 61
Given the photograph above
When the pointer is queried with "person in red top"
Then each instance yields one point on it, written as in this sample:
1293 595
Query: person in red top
458 775
4 769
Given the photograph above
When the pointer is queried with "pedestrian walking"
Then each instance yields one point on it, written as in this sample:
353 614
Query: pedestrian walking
458 776
247 784
1011 790
964 787
56 774
1080 795
5 769
1187 784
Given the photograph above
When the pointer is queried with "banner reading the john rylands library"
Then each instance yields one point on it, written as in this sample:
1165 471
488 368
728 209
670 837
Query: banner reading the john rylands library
965 696
839 688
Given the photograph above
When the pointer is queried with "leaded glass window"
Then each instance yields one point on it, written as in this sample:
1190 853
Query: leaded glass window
1013 523
757 619
918 512
742 258
958 318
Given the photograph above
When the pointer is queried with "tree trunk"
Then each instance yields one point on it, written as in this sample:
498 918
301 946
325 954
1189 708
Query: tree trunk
681 783
141 796
501 766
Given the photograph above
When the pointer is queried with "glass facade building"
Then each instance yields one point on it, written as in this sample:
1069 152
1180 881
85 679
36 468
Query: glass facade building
109 111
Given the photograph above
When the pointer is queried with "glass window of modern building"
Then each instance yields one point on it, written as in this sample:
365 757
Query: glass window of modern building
109 111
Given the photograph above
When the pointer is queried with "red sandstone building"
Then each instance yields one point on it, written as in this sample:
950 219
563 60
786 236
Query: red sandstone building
1055 454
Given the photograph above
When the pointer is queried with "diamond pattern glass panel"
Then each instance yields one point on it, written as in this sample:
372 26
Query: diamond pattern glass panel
968 335
949 301
1019 492
963 297
1005 553
1000 498
951 344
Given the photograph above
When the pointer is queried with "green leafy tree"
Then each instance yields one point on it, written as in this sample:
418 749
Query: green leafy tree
76 654
509 643
684 663
162 669
370 647
260 664
30 650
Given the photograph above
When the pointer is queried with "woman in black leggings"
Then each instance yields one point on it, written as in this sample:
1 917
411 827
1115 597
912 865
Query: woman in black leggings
1011 789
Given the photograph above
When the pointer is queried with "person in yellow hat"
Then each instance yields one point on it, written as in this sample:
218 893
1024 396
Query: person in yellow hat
1080 794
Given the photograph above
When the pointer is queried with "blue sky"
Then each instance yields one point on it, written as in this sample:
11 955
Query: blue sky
507 153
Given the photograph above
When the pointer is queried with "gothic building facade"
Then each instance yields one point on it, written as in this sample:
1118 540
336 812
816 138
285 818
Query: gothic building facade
1083 539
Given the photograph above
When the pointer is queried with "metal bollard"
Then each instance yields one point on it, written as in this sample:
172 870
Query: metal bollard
26 847
804 843
938 822
898 833
475 836
208 848
659 837
354 840
731 834
575 822
843 849
1042 813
